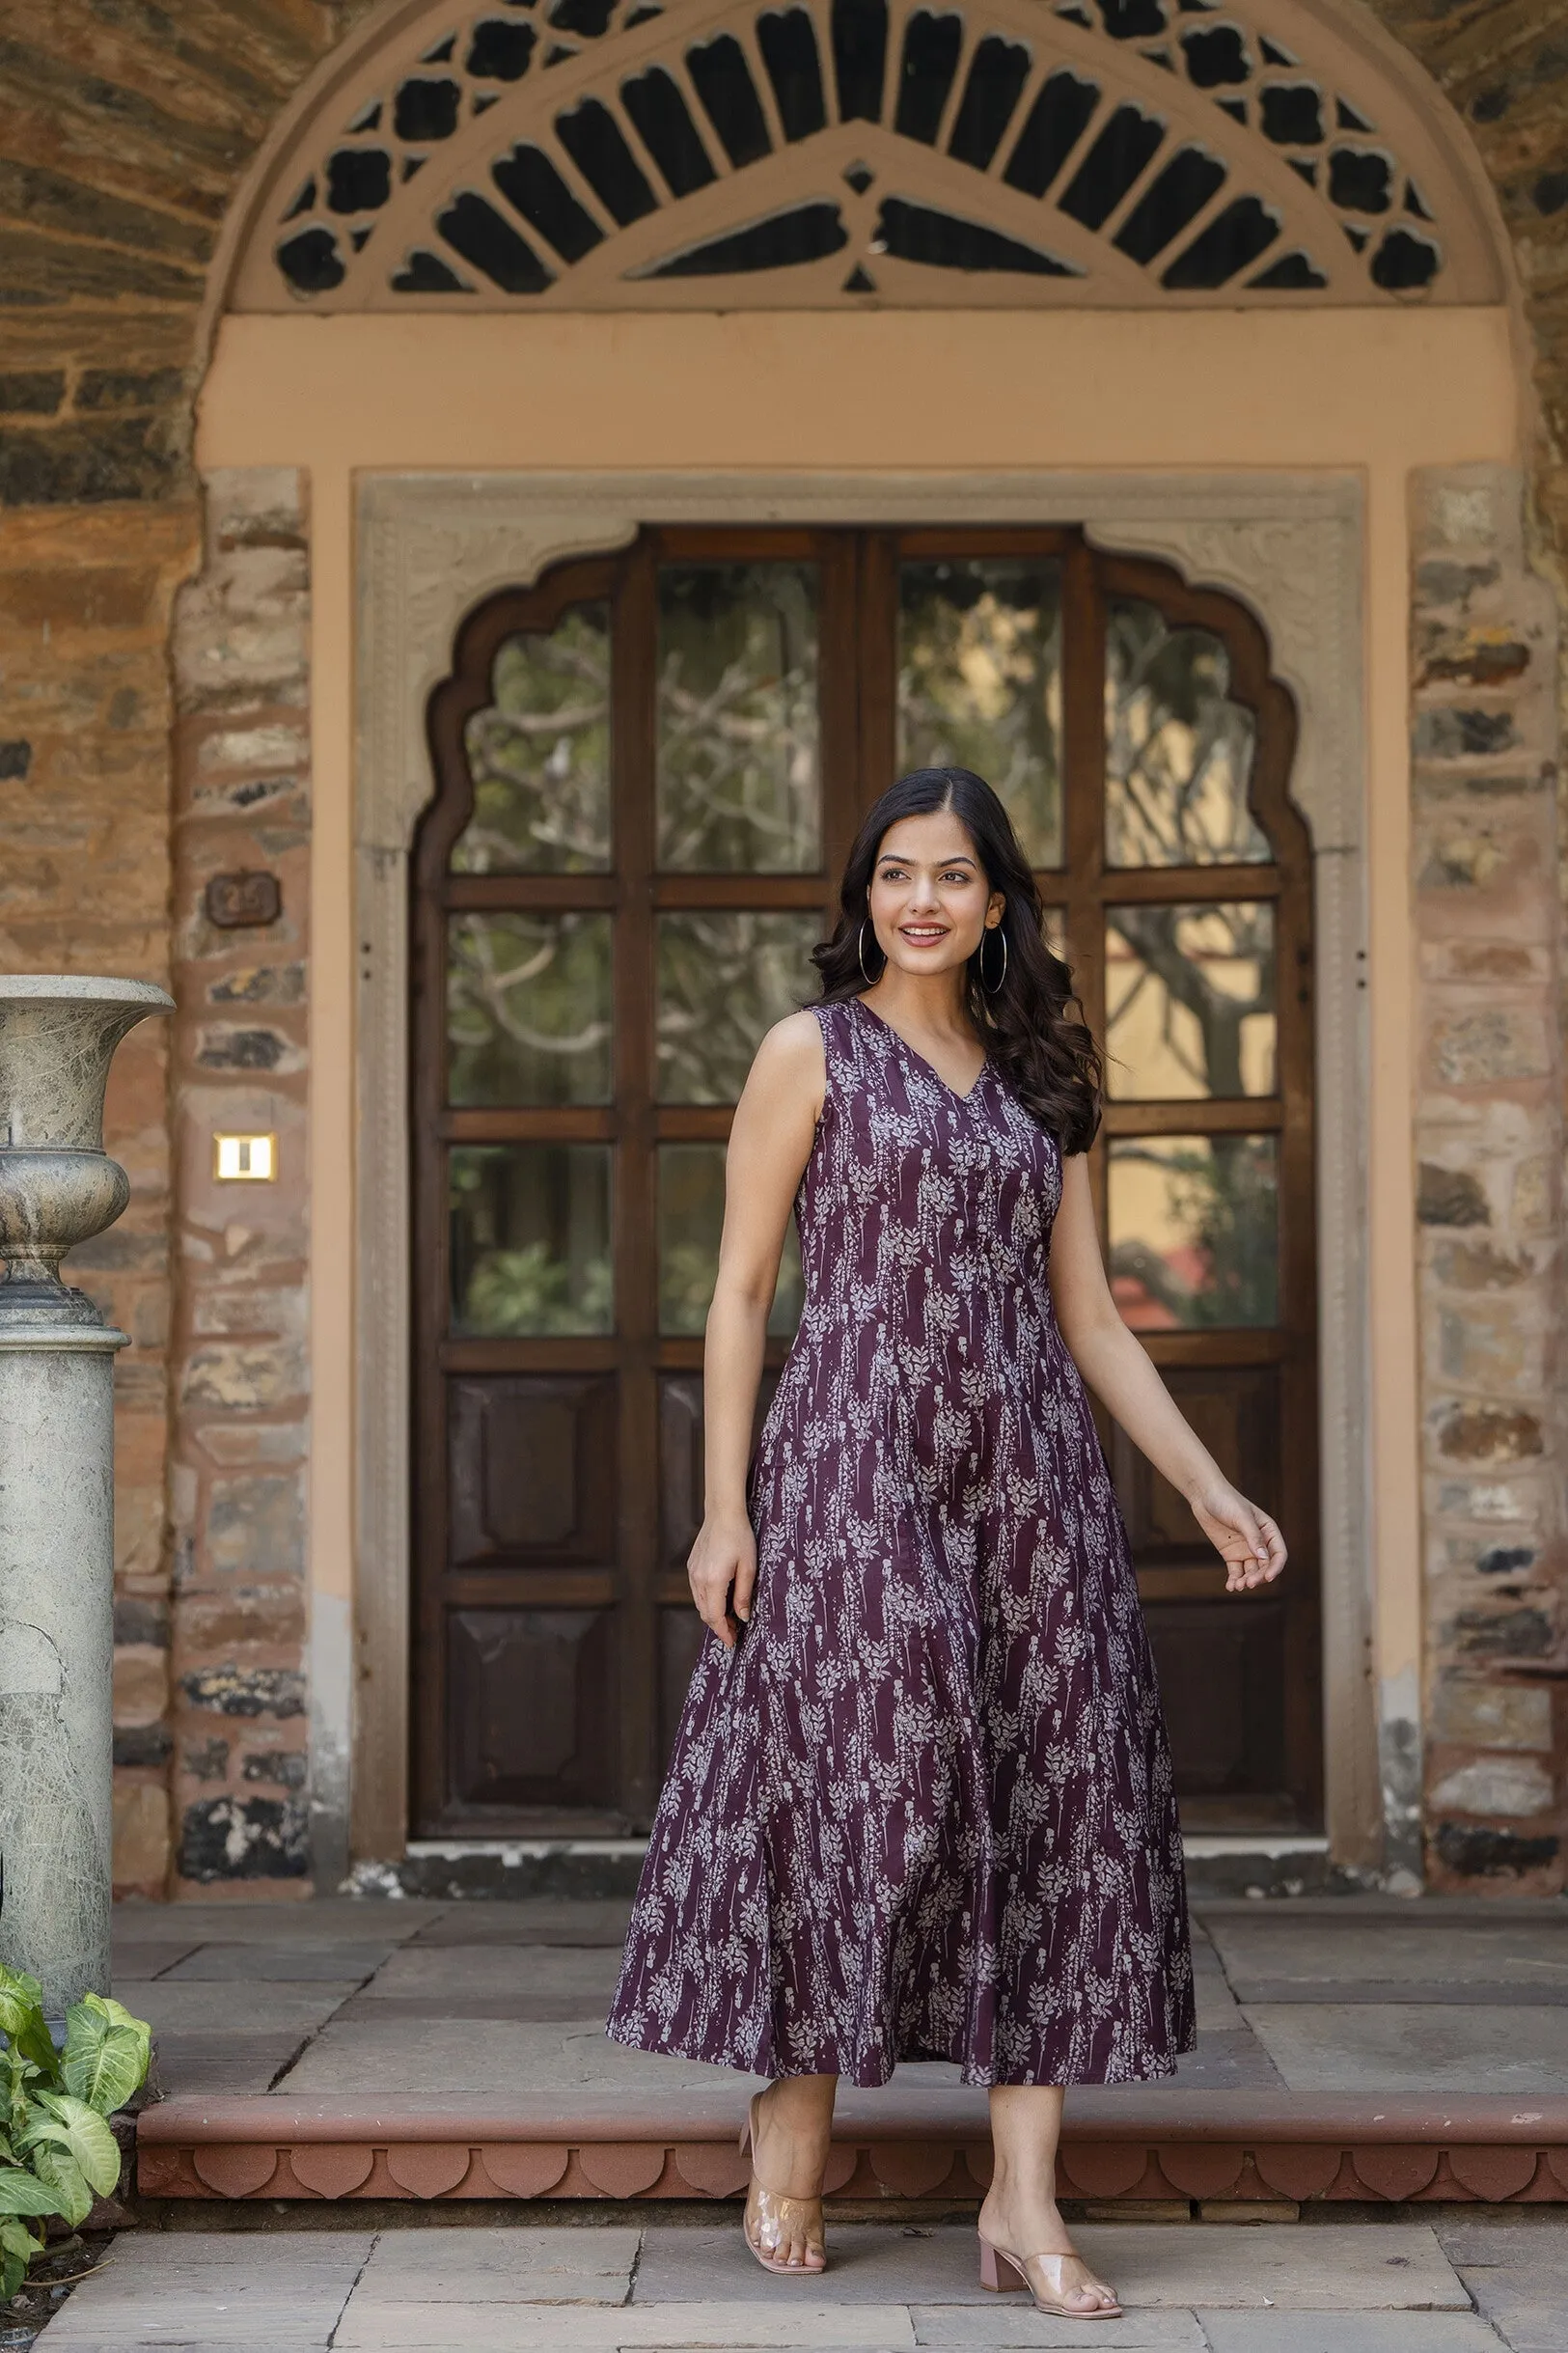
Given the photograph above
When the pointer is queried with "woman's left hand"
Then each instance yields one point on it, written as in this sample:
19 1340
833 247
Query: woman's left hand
1246 1538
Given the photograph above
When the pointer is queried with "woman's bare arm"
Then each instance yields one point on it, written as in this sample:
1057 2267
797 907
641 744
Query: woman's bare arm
769 1145
1121 1377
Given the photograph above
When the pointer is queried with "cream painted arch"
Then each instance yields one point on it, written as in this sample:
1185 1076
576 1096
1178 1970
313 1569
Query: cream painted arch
431 545
457 155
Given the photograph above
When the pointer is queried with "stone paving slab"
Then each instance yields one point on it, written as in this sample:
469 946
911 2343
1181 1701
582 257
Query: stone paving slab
1361 2333
433 2059
452 1973
1010 2320
160 2254
792 2321
1416 1949
1478 1996
1333 2268
218 1964
1216 2003
179 2007
148 1957
243 1923
870 2263
223 2064
1228 2060
538 1919
1517 2276
544 2265
1344 2047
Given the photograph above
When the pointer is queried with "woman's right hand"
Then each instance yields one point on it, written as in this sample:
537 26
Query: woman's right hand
722 1568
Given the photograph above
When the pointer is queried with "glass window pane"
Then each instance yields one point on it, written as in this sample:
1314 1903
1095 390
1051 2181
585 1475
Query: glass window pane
739 759
1189 1004
724 979
539 755
979 683
528 1008
1193 1231
529 1238
691 1220
1179 753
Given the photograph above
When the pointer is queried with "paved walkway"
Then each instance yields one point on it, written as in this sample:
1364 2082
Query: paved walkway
1392 2287
366 2000
346 2000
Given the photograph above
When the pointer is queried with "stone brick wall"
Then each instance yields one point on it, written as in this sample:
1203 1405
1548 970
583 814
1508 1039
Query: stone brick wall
85 602
1489 1144
238 1360
123 135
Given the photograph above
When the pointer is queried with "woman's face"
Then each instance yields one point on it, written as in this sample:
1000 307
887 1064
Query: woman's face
930 900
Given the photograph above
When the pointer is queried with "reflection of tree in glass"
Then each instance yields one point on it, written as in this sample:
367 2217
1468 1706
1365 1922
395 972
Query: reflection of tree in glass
527 1290
539 755
528 1008
739 770
979 685
1180 949
1178 750
1220 1195
529 1239
724 979
690 1219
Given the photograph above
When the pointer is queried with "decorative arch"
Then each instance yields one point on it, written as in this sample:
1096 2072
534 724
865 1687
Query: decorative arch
590 154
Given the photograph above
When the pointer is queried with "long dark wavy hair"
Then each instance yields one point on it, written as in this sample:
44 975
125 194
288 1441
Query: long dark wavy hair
1029 1026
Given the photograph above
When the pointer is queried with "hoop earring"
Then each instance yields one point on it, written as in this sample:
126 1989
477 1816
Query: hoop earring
865 975
991 987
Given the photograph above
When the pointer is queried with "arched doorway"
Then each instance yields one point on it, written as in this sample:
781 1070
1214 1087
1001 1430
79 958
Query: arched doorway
650 767
997 245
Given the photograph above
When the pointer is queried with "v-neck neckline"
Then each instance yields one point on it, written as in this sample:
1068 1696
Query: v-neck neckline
925 1063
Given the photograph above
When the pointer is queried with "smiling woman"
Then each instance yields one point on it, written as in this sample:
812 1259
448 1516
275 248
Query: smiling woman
920 1800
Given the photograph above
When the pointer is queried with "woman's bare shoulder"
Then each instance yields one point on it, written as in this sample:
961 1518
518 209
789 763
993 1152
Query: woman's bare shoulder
790 1059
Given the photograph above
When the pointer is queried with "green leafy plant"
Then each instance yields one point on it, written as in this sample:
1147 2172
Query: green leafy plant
57 2152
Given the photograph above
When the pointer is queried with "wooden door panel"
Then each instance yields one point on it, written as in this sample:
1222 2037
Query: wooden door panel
1219 1664
680 1458
531 1707
531 1470
1235 1411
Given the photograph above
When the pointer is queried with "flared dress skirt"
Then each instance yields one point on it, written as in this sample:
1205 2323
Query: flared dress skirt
923 1810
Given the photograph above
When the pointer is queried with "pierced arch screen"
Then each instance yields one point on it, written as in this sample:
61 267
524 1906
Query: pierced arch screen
597 154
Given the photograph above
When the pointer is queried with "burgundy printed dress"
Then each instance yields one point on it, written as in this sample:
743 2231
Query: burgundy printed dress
923 1810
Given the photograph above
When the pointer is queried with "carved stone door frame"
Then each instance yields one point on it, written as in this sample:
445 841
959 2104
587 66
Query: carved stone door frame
432 545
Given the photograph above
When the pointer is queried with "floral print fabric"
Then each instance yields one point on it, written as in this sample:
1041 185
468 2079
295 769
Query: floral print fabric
925 1808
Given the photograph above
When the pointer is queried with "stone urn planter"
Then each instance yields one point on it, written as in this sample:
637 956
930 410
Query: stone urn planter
57 1187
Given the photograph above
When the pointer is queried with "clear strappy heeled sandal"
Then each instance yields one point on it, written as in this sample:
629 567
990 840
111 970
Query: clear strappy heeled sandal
1044 2276
770 2216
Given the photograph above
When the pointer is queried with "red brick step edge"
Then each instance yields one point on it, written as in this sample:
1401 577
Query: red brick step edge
1124 2143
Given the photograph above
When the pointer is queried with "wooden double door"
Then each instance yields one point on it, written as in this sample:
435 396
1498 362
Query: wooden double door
650 768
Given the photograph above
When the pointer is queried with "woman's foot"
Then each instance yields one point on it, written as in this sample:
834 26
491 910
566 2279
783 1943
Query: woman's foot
1024 2226
792 2126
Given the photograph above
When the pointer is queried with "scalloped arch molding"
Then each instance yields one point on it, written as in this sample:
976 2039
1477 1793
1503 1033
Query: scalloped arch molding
809 154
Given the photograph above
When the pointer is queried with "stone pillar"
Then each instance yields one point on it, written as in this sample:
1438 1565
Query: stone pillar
57 1187
1488 1147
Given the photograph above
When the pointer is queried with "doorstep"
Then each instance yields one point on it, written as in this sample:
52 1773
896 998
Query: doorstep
1127 2143
1218 1864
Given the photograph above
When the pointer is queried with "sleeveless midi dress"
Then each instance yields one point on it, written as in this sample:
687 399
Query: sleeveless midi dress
923 1809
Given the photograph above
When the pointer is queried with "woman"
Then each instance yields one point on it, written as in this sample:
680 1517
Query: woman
920 1804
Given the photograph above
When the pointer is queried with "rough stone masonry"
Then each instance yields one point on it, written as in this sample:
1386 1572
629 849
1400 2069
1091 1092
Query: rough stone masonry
1489 1147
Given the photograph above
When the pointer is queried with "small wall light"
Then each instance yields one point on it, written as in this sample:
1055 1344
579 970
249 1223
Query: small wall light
245 1159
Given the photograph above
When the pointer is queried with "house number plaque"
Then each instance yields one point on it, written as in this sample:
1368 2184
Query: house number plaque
234 902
